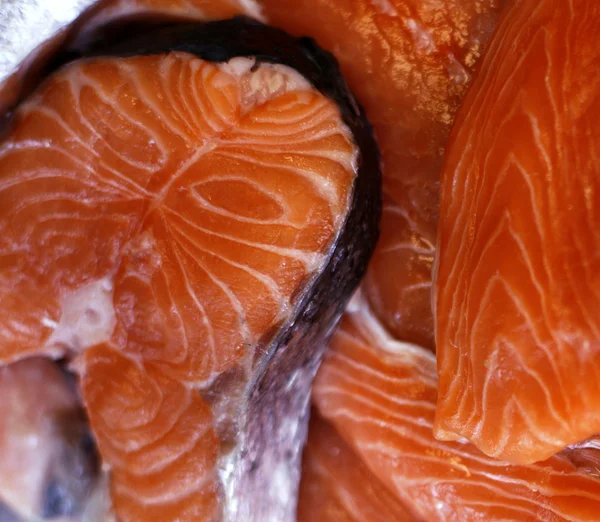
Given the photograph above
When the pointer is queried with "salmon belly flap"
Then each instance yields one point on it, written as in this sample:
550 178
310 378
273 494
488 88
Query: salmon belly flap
518 287
380 394
178 221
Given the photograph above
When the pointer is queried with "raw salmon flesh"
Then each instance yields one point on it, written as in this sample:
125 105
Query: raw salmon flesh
186 208
518 279
171 224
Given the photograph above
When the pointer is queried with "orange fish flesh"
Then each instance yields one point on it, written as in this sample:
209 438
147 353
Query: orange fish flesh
381 395
160 218
409 64
338 487
518 277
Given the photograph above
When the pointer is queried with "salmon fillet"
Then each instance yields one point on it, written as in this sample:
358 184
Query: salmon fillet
518 285
381 395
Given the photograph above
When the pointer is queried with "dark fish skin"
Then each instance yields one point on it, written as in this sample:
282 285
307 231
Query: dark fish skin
265 477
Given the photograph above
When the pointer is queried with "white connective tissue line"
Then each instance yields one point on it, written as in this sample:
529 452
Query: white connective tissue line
26 24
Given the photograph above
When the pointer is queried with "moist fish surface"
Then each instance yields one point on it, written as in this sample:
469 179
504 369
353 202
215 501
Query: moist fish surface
518 286
179 218
409 63
338 487
380 394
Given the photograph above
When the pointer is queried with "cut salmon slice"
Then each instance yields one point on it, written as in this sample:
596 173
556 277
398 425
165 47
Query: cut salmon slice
518 333
380 394
409 63
338 487
173 225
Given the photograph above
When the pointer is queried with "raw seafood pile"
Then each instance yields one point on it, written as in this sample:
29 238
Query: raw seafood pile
515 289
379 393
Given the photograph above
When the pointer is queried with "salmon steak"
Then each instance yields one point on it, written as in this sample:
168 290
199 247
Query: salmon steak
183 218
518 272
337 486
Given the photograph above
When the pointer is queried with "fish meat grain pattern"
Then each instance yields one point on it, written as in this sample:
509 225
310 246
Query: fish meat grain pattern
518 285
380 394
207 204
409 62
337 486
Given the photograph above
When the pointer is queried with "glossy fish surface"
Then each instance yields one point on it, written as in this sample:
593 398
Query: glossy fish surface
179 219
409 62
338 487
381 396
518 284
